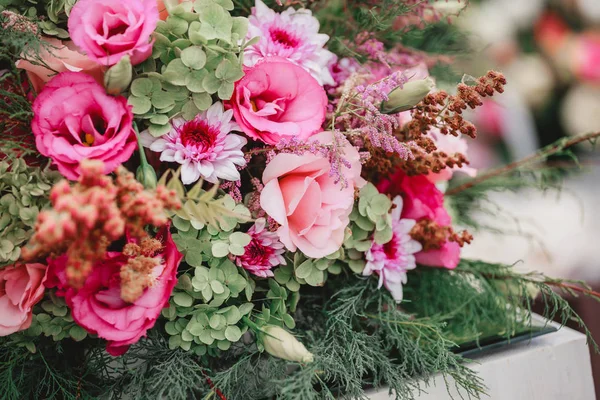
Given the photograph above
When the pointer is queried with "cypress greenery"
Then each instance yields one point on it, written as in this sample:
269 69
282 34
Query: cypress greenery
360 339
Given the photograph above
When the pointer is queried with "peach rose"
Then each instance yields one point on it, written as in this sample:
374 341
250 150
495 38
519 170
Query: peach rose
60 57
302 196
21 287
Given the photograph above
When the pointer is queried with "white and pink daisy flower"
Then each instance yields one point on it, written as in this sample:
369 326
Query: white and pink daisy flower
391 261
204 146
263 253
293 35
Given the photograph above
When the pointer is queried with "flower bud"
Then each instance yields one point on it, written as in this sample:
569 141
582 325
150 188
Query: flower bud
280 343
406 97
146 176
118 77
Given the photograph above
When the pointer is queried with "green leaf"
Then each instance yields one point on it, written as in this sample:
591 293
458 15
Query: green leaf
225 91
383 236
236 250
217 287
171 329
233 333
194 258
211 83
240 26
245 308
217 322
228 71
220 249
176 25
202 100
159 130
183 299
194 33
289 321
162 99
240 238
357 266
189 110
159 119
316 278
216 23
176 72
380 204
305 269
77 333
174 342
193 57
141 87
141 105
193 81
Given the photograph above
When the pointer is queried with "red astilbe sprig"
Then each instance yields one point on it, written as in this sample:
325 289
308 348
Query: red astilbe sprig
87 217
433 236
444 111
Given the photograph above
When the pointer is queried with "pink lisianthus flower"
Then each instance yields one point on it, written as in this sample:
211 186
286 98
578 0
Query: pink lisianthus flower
21 287
277 99
422 199
74 119
392 260
293 35
98 307
303 197
263 253
106 30
204 146
58 57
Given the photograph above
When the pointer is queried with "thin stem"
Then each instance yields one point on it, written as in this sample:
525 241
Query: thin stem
539 156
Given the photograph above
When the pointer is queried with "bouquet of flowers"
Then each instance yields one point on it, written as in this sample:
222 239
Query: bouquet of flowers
241 200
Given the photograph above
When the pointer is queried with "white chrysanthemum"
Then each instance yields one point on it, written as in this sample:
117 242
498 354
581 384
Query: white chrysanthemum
293 35
203 146
392 261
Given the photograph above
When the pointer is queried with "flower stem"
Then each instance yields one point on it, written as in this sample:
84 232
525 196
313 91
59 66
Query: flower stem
536 157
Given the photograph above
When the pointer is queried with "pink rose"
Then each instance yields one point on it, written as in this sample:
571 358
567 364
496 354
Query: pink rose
106 30
21 287
74 119
305 200
98 306
59 57
422 199
278 99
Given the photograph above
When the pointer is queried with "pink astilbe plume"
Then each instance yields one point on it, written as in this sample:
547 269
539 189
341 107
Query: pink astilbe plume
87 217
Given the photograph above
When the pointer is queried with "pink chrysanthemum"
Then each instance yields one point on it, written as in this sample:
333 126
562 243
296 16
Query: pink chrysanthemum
293 35
203 146
392 260
263 253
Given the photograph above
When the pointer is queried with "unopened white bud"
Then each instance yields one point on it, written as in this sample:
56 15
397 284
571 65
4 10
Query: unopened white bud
406 97
280 343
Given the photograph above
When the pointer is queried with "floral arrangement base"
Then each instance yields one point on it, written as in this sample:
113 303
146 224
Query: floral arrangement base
554 366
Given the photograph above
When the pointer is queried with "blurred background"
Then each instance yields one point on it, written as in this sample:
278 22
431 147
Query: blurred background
549 51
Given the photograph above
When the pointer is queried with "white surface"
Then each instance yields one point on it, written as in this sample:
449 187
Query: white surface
555 366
